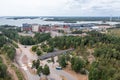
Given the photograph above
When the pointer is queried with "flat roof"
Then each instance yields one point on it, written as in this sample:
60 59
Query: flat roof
53 54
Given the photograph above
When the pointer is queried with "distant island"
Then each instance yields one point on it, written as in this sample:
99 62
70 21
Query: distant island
16 18
75 19
68 19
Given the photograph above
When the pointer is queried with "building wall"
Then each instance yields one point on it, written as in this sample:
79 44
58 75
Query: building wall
35 28
26 27
103 27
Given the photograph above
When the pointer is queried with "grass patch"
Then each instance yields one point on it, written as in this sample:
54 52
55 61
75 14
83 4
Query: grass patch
49 61
114 32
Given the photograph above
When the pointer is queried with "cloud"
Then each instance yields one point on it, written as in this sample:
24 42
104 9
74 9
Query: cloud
59 7
96 7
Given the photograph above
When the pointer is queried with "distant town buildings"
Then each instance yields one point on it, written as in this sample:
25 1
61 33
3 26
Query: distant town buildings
44 28
101 27
65 28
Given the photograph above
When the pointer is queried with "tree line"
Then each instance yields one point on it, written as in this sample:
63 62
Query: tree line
38 38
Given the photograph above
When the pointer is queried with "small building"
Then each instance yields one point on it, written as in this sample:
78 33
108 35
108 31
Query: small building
66 28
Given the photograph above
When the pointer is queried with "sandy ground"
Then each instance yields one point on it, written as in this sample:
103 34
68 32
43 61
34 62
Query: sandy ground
25 59
91 58
78 76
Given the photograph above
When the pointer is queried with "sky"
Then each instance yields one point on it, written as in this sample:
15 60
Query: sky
59 7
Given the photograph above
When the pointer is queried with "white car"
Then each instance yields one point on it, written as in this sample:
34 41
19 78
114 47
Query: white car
58 68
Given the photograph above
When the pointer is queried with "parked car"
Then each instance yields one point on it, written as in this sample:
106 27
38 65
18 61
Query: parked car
58 68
